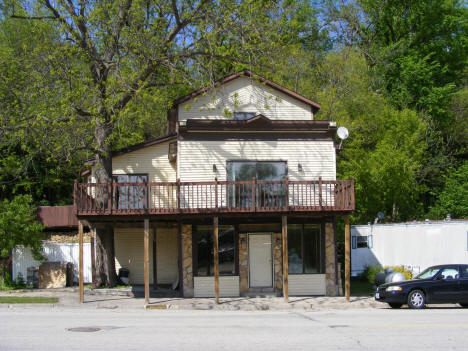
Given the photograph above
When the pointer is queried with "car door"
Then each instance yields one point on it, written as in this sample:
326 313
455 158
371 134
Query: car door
446 285
463 284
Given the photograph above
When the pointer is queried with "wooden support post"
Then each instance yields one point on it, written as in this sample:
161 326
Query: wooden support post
93 257
347 259
216 258
146 260
155 263
80 273
285 256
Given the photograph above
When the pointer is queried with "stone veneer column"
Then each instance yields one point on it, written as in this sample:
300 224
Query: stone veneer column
243 264
187 264
330 253
278 261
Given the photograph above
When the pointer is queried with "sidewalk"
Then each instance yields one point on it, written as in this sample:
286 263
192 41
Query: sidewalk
123 300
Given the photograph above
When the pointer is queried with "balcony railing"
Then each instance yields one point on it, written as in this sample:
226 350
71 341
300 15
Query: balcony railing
213 197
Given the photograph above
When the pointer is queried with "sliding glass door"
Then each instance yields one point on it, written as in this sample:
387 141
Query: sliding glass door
269 191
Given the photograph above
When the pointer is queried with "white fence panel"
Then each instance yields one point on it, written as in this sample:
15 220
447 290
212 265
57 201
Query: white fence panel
22 259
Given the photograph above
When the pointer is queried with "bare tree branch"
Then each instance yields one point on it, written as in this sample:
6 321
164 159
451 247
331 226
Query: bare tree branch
123 18
30 18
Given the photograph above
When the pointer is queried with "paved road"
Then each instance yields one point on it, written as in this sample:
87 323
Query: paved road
32 328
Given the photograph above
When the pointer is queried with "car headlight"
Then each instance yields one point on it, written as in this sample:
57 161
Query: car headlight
393 288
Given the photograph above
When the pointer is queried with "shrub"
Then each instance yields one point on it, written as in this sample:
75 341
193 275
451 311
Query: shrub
401 269
6 282
20 283
370 272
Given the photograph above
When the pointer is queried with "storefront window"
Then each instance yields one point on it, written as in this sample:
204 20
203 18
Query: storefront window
304 249
204 251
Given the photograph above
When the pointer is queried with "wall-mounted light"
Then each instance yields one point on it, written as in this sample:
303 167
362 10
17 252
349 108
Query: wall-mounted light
214 168
299 167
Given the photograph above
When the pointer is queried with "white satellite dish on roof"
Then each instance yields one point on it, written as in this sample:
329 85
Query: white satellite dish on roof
342 133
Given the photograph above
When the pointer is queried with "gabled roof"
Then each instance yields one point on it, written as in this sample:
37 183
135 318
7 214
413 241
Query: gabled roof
246 73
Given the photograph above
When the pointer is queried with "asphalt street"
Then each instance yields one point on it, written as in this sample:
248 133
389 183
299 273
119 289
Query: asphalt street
29 328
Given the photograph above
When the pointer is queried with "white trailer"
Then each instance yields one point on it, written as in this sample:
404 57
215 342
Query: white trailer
416 245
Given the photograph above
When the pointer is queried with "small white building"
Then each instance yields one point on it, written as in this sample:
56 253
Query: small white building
416 245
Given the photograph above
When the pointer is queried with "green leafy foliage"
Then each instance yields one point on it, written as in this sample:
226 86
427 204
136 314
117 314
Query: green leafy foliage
386 148
18 226
6 283
393 72
453 199
370 272
419 48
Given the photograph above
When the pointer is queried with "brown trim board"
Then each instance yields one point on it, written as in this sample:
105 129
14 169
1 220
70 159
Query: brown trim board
257 136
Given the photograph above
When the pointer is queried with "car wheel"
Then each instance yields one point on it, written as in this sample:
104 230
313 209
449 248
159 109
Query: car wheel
395 305
464 305
416 299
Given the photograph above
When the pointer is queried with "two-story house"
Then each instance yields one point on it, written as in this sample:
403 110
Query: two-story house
240 197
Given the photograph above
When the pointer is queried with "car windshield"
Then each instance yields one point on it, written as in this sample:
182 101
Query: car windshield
428 273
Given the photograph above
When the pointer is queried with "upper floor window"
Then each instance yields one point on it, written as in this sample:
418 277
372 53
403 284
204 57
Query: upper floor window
267 194
243 115
130 196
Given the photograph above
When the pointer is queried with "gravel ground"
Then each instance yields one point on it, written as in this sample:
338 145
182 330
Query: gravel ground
114 299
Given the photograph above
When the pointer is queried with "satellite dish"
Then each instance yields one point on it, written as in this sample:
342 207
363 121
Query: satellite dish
342 133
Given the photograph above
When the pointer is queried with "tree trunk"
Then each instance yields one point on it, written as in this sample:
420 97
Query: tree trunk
105 257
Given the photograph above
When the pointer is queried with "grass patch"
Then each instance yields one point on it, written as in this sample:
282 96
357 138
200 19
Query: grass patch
90 287
360 287
28 299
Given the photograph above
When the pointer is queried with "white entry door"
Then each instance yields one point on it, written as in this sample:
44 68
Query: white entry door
260 263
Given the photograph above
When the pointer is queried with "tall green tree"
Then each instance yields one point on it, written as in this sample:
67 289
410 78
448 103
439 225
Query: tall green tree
418 48
107 59
385 151
417 52
453 199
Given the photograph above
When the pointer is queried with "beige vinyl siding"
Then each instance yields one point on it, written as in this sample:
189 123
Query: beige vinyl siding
306 284
196 158
245 95
151 160
167 255
204 286
129 253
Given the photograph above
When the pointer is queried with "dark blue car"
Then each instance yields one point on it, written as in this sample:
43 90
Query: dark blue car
438 284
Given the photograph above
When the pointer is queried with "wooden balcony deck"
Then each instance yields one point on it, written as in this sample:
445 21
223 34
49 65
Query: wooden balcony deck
172 198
